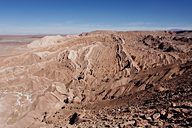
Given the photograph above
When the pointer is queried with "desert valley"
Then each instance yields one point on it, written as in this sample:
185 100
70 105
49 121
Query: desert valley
98 79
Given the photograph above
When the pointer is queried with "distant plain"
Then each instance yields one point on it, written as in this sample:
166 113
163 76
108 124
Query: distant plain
15 44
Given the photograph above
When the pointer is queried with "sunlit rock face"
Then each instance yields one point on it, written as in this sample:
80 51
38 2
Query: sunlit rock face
59 71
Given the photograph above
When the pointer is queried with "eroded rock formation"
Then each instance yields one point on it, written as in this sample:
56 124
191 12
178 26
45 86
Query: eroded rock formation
59 76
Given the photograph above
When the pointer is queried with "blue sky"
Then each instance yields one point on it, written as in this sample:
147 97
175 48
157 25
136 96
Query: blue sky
75 16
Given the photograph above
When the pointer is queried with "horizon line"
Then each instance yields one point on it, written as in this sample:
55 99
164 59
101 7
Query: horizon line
77 33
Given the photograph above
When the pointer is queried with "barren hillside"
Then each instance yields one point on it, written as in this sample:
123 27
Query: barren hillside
99 79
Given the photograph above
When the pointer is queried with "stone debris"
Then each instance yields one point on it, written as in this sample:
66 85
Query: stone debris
99 79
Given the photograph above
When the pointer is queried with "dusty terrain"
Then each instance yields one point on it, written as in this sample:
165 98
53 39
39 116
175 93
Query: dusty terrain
99 79
15 44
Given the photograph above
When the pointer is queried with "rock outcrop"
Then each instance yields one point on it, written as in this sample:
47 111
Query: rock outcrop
61 79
